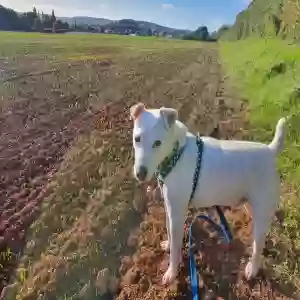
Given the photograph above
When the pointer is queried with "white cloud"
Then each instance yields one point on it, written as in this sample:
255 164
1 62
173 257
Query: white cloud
167 6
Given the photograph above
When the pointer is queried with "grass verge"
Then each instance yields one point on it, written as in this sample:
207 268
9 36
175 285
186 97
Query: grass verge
266 74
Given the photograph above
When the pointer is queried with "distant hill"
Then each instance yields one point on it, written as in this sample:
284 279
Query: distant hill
154 26
85 21
267 18
119 25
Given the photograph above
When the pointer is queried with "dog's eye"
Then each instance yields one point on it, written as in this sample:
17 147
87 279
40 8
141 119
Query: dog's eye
156 144
137 139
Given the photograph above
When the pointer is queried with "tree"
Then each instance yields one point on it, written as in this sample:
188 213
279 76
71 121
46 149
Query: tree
9 19
47 21
53 16
38 26
55 26
149 33
34 11
200 34
28 21
217 34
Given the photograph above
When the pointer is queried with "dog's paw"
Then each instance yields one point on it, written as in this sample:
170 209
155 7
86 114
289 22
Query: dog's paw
251 269
165 245
169 276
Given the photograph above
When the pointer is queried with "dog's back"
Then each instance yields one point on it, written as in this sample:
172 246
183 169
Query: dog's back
232 169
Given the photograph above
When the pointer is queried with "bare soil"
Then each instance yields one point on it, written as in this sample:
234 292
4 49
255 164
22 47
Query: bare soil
58 109
36 130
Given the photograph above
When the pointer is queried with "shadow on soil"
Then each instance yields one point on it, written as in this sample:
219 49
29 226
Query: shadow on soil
221 271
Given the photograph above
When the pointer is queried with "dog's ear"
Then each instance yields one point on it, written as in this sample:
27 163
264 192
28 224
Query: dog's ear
169 116
136 110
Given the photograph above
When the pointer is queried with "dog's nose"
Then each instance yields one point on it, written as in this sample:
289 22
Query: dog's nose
142 173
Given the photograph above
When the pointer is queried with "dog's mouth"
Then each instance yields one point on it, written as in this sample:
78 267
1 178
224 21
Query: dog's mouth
145 181
142 174
141 181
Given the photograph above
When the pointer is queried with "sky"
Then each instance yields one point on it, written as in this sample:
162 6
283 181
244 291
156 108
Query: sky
181 14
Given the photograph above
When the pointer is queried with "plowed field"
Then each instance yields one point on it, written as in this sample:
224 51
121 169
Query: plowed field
75 224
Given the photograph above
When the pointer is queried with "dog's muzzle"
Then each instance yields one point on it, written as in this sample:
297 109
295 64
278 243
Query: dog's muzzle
142 173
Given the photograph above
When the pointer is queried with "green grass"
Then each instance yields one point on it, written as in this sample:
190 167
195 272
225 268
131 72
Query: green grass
250 65
58 47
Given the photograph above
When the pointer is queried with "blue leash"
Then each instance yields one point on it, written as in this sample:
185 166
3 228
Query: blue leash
222 229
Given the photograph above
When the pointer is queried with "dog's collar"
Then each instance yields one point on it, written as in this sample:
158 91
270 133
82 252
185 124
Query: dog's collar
169 162
166 166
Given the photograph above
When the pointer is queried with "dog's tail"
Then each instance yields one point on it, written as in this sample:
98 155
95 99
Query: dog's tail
277 144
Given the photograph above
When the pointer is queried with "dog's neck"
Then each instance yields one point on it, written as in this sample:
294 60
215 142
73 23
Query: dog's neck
180 132
178 141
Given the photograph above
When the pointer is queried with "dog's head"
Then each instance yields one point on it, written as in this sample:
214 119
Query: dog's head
154 133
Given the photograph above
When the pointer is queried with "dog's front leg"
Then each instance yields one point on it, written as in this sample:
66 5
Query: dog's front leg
176 216
165 245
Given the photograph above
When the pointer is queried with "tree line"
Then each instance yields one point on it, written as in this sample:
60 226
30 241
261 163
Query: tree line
202 34
33 20
29 21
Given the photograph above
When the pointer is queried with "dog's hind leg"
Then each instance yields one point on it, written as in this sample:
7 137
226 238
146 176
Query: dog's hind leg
264 204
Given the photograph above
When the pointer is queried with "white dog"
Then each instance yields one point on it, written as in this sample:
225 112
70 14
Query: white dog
229 172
